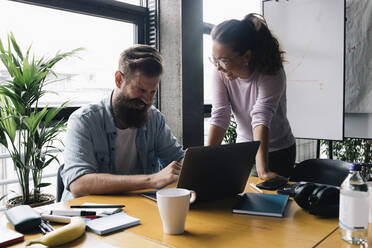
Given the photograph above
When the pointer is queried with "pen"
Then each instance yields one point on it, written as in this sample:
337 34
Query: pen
255 187
46 226
72 212
97 206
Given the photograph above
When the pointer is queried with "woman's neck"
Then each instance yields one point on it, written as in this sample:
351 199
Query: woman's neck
245 73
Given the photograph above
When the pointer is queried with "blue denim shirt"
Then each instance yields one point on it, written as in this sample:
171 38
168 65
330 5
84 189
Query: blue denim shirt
90 144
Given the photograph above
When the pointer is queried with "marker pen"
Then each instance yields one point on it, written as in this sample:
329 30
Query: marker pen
72 212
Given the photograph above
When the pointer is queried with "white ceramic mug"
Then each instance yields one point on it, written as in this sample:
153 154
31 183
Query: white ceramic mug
173 205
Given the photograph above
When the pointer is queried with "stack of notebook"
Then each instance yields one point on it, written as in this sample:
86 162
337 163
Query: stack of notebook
262 204
111 223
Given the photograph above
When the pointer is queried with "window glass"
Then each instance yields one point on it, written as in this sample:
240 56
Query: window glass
87 78
215 12
218 11
134 2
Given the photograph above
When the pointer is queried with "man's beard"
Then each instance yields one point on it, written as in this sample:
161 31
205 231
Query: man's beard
128 115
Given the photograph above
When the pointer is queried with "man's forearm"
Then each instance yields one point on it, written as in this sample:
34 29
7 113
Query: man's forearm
102 183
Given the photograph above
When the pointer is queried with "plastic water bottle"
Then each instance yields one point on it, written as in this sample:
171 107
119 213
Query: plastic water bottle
353 220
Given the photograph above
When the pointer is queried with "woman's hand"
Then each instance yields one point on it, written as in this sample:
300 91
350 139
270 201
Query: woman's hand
266 175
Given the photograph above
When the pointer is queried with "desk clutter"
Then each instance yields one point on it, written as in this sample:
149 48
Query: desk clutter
98 218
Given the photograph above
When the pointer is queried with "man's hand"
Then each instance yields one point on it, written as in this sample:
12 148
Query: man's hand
167 175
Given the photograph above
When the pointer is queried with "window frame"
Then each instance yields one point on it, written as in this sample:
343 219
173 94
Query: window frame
207 29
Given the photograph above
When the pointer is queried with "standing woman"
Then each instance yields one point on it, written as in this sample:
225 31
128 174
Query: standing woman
250 81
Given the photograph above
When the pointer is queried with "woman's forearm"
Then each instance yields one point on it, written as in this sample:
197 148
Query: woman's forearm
216 135
261 133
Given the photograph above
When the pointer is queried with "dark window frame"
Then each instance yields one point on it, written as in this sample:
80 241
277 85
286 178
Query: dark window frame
207 28
109 9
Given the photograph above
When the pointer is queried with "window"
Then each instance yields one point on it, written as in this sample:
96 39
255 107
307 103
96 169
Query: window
214 13
103 28
50 30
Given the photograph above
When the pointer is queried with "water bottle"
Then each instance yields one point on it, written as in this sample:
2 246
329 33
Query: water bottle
353 219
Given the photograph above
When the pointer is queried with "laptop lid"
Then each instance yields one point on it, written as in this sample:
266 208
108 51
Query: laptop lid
215 172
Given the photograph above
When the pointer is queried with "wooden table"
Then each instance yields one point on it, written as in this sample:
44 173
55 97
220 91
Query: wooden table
334 240
207 225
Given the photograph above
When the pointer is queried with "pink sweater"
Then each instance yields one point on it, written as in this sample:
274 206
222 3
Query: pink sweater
257 100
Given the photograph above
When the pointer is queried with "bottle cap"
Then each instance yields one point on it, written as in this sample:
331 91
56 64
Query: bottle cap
355 167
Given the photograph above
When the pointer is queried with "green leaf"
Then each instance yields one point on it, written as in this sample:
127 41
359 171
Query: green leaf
2 197
15 46
33 121
27 73
7 119
52 113
2 50
3 140
41 185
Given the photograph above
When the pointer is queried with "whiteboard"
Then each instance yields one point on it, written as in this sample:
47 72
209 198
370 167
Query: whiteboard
311 32
358 69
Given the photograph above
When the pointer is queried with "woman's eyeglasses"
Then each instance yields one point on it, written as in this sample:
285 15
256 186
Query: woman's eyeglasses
217 62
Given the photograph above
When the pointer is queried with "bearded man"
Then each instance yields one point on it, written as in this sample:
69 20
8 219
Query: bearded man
122 143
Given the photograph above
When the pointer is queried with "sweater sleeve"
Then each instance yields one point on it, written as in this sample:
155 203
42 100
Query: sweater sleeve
221 107
270 90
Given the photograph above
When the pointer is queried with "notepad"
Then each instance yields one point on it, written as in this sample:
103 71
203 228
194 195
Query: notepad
112 223
261 204
9 236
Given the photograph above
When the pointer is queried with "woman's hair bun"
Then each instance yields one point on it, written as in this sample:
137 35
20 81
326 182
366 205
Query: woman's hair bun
256 19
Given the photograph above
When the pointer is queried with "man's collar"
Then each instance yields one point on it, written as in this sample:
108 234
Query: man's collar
109 122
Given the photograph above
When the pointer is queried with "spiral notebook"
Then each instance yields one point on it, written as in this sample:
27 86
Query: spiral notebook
262 204
112 223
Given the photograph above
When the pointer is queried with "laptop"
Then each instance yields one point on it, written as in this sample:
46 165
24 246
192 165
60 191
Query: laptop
216 172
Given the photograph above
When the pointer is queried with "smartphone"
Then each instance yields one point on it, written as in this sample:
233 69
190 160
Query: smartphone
272 184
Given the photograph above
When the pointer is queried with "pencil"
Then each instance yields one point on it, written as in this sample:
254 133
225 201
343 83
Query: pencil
255 188
97 206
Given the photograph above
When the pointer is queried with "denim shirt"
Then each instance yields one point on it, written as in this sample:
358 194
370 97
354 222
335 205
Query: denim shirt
90 144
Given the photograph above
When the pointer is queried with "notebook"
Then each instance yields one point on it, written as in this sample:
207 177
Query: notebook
111 223
261 204
9 236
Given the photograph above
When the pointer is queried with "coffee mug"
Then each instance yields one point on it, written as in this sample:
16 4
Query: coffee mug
173 205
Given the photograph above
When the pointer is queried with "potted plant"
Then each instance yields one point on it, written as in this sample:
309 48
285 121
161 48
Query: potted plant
26 130
230 136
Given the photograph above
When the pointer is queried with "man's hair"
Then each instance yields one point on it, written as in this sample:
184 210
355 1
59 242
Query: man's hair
142 58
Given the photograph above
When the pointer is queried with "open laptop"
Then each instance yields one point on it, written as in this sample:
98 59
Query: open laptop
216 172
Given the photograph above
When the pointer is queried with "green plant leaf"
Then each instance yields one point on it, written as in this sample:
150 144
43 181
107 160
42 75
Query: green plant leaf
7 121
2 50
31 148
15 46
41 185
2 197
